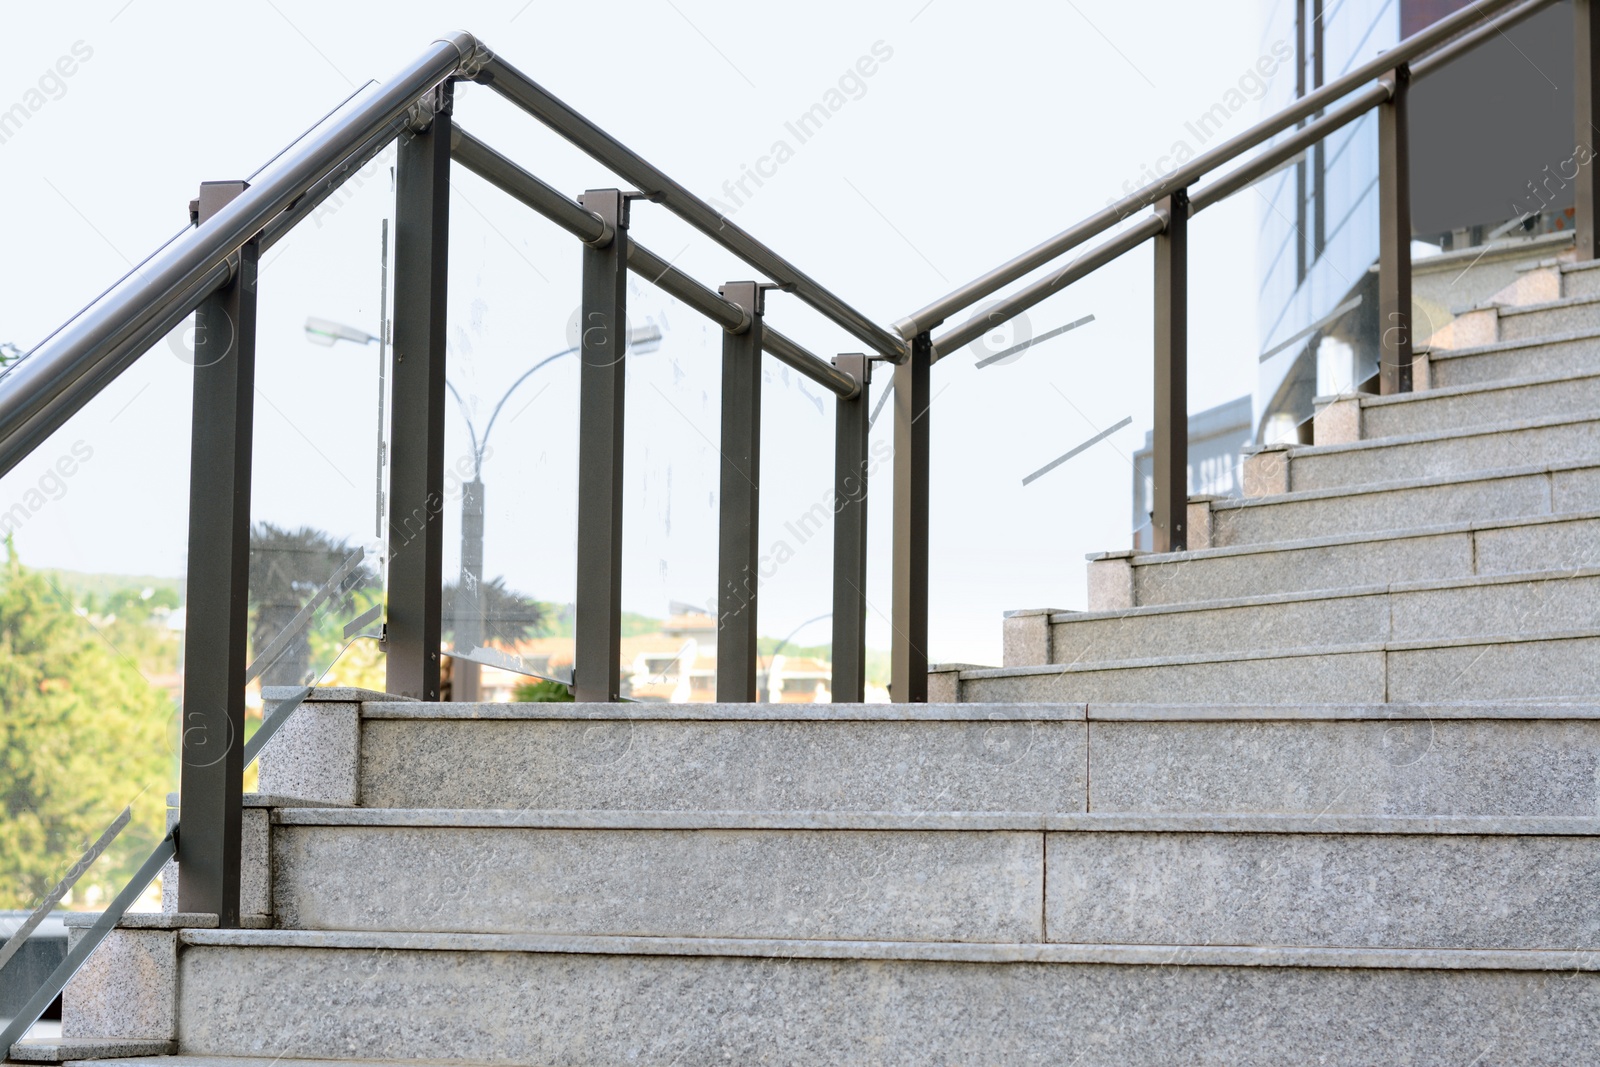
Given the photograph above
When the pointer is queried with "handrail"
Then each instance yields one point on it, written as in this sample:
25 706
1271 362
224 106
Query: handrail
1046 287
543 105
60 375
507 176
1415 45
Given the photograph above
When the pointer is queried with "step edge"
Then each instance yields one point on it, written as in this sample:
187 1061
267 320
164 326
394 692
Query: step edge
1298 652
1425 437
1501 347
912 951
942 822
1143 559
1065 711
1370 402
1355 592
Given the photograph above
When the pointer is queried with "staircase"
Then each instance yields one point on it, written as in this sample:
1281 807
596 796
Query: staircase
1323 790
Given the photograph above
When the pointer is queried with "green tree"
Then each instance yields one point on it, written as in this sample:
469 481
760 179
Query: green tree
82 734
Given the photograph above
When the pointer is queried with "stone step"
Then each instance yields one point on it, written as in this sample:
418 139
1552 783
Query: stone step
1401 505
1556 666
1569 438
1453 550
658 1002
1511 757
1569 314
1530 603
1329 882
719 757
1580 279
1577 352
834 876
1483 404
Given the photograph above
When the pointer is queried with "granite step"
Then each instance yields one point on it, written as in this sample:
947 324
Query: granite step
1569 314
1580 279
1574 352
1511 757
1553 666
570 1000
1572 437
831 876
1422 553
1479 404
906 758
1527 603
1403 504
1327 882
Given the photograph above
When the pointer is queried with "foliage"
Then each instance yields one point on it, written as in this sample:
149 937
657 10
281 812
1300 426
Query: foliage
81 735
542 692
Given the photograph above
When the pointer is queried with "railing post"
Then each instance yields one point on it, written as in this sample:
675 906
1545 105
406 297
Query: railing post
1586 113
908 674
1394 237
738 550
850 462
602 389
416 437
1169 506
217 638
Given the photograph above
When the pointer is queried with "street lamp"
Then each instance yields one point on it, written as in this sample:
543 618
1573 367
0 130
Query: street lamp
464 679
468 609
764 678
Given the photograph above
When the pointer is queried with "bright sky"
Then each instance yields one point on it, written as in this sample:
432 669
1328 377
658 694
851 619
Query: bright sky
981 130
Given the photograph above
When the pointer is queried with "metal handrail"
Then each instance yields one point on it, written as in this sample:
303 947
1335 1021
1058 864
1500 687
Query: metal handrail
62 374
567 213
1412 47
601 146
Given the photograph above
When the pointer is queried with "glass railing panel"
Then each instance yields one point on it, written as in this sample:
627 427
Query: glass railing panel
317 534
92 623
511 457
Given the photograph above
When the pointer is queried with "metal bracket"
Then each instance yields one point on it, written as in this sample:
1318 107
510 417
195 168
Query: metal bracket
214 196
440 100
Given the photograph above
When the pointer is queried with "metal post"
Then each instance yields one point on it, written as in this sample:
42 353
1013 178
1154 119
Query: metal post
1319 151
1169 504
217 637
465 675
602 388
1394 238
908 673
416 467
850 461
1301 260
1586 113
737 531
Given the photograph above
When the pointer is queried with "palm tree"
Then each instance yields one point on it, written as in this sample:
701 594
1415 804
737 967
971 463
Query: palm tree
506 615
287 567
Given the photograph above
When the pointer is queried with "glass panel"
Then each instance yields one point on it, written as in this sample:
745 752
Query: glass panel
92 607
317 538
511 457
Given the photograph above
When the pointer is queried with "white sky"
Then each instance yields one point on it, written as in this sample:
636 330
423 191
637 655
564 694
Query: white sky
991 127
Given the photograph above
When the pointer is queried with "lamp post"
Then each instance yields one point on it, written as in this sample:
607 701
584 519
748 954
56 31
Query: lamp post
469 616
764 692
